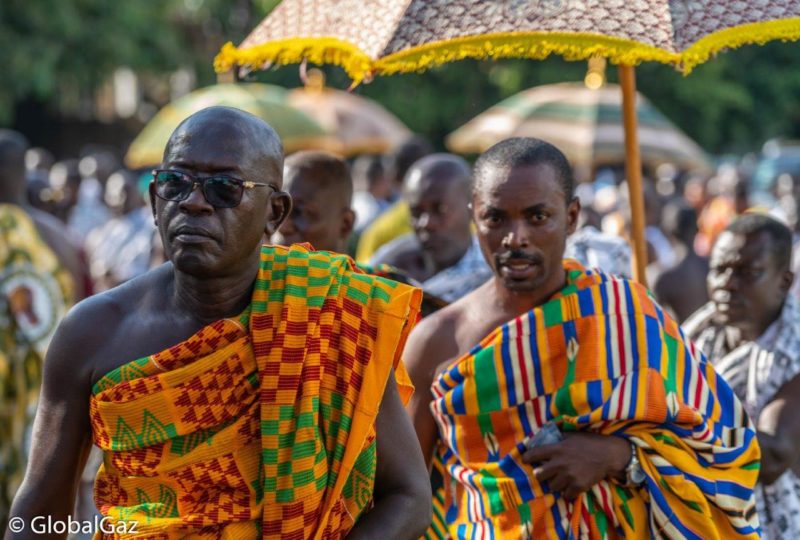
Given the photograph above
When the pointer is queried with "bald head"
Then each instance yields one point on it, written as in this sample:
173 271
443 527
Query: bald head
437 190
226 129
12 166
438 168
321 190
321 171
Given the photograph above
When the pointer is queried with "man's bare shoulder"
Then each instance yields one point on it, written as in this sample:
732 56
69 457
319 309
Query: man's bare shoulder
446 334
93 322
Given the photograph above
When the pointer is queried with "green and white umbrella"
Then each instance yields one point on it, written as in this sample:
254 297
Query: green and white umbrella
586 124
297 130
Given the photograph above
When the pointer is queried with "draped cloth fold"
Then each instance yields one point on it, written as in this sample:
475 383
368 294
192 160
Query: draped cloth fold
599 356
261 425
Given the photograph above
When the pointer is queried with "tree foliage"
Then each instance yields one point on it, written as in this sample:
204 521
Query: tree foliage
56 50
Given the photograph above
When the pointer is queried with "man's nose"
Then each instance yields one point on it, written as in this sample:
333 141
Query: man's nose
196 202
727 280
517 236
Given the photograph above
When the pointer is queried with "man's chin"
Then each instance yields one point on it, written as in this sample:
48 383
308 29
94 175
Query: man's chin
519 285
199 265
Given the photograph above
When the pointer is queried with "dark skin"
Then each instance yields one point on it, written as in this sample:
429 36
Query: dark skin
213 260
748 289
523 219
681 289
320 214
438 202
439 208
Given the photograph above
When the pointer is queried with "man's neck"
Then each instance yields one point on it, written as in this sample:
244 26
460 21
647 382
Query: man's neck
210 299
757 329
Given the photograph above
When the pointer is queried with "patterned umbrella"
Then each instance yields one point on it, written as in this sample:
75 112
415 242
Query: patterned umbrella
585 124
297 130
360 125
369 37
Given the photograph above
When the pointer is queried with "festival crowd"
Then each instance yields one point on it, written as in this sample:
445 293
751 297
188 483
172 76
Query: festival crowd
242 345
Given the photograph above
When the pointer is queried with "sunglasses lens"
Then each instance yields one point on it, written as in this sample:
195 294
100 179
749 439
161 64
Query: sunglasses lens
172 186
223 192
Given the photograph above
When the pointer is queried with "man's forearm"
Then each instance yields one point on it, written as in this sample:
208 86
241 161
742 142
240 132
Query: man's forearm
394 517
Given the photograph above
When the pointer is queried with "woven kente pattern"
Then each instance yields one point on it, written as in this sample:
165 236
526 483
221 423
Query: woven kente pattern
599 356
262 425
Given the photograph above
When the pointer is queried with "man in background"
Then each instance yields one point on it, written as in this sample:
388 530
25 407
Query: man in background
37 285
321 190
442 252
750 332
682 288
394 220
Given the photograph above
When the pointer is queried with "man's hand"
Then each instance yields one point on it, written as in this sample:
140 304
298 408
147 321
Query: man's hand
580 461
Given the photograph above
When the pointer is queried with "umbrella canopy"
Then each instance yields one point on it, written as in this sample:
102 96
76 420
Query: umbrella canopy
585 124
297 130
360 125
369 37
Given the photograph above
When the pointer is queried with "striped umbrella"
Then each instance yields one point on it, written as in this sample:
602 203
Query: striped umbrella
586 124
359 124
374 37
297 130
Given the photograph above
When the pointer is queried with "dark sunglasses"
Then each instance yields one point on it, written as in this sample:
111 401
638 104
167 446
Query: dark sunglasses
220 190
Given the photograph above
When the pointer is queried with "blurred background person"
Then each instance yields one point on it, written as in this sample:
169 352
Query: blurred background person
394 221
681 289
322 191
90 210
120 249
373 189
441 252
750 332
36 289
65 181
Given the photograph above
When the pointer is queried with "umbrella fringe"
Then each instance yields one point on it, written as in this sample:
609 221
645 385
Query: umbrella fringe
572 46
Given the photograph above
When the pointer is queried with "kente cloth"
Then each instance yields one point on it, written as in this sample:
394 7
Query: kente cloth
599 356
261 426
756 371
35 293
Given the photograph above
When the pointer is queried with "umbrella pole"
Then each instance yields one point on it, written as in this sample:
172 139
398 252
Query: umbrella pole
633 172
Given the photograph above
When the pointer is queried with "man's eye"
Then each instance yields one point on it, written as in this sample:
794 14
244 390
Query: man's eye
751 273
540 216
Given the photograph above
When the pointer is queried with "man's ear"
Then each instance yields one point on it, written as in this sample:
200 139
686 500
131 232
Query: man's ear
152 191
786 281
573 213
348 222
280 205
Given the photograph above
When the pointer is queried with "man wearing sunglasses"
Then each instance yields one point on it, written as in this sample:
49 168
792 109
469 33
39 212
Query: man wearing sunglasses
236 391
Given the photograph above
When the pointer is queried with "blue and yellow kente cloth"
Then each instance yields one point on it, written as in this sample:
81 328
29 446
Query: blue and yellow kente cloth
599 356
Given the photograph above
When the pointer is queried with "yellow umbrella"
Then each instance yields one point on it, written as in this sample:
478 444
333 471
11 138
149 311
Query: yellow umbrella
297 130
371 37
360 125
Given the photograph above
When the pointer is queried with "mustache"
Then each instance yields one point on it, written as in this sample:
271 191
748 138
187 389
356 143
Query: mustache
517 255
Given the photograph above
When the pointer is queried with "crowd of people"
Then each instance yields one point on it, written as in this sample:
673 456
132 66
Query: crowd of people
311 348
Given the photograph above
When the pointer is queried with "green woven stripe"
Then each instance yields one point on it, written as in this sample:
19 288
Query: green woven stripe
552 314
358 296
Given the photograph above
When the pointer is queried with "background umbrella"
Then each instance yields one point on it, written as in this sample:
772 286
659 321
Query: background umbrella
297 130
586 124
368 37
360 125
